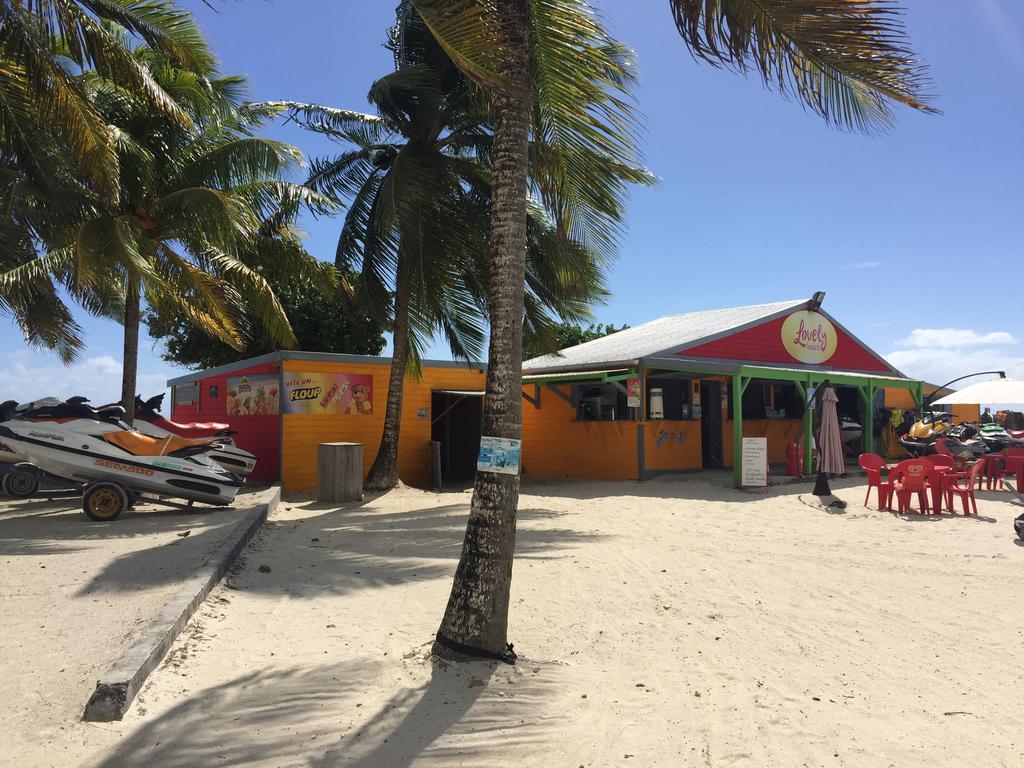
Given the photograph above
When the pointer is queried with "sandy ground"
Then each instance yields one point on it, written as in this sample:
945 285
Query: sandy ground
73 595
670 623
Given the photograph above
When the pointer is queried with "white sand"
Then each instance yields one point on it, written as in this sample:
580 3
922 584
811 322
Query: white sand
670 623
73 595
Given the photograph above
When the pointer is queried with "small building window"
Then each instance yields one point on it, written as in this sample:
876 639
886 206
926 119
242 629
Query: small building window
599 402
676 397
770 400
186 394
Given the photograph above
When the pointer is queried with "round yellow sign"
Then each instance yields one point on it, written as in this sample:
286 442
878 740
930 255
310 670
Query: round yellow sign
809 337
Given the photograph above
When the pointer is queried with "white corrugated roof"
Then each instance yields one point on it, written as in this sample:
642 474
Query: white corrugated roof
661 335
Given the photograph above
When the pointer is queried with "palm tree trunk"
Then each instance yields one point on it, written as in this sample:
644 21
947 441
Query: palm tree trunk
130 363
476 620
384 472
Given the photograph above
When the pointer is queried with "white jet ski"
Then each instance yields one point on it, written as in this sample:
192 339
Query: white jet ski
849 429
148 421
90 447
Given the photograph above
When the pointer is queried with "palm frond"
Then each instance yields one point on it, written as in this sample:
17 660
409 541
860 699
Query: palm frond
847 61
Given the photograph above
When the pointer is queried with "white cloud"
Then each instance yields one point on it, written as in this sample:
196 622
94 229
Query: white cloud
938 355
952 338
938 366
26 376
862 265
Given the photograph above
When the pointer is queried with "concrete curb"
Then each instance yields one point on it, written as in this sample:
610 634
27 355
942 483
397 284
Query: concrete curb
124 678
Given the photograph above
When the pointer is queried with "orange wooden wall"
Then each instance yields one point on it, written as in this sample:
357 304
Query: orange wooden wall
901 398
780 433
556 445
670 455
303 432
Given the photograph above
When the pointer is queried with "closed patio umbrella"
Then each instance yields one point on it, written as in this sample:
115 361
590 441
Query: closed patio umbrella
830 439
830 444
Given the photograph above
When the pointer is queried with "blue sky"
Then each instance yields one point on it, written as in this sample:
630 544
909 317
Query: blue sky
909 233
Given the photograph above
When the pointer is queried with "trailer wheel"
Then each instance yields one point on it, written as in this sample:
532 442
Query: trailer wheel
104 501
18 485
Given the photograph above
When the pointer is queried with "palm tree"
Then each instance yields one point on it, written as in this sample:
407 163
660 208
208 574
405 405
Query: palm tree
43 43
200 212
845 60
417 179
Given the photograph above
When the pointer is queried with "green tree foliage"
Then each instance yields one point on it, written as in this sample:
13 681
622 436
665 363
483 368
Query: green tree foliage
202 217
44 44
417 179
323 321
565 335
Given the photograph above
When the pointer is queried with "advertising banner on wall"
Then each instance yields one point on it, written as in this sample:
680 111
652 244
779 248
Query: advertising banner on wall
345 393
253 396
633 392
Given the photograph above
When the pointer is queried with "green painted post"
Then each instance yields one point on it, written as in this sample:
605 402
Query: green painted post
737 429
808 436
869 428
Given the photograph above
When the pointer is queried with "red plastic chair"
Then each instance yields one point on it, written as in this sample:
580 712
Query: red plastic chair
993 472
912 477
872 464
965 492
941 449
943 466
1013 459
942 460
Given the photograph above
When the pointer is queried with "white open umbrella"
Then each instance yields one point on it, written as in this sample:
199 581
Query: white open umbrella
994 392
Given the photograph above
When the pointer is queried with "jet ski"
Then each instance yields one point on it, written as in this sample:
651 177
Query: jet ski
17 478
148 421
115 465
997 437
920 439
849 429
962 440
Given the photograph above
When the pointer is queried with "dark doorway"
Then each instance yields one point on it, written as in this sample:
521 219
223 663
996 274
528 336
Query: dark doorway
456 426
711 424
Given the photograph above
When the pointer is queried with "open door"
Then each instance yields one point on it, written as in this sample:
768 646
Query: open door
711 424
455 417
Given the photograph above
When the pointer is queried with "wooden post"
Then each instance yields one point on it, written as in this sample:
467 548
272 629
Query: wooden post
339 471
435 465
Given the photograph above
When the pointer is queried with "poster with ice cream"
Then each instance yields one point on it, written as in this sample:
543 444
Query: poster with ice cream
346 393
253 396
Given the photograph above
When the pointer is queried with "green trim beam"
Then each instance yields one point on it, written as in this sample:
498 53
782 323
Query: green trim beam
738 386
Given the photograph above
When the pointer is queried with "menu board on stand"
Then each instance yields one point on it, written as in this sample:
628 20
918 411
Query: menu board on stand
754 462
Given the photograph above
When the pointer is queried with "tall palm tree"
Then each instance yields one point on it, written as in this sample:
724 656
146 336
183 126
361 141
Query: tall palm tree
845 60
201 210
45 43
417 178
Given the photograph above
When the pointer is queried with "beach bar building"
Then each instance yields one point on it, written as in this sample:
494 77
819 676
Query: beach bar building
680 393
673 395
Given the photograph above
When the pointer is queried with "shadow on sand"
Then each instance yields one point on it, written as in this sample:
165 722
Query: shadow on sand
359 547
312 716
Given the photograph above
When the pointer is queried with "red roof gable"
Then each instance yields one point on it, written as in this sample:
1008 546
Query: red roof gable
808 339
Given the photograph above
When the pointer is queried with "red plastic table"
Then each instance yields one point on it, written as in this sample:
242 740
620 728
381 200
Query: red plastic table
1015 464
938 481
